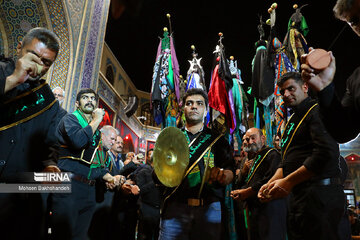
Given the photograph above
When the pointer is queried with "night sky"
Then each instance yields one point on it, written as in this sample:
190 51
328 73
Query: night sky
134 36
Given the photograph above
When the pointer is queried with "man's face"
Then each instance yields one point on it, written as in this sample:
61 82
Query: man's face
130 155
293 93
108 140
237 159
353 17
195 109
148 155
38 48
253 141
118 145
87 103
58 93
277 142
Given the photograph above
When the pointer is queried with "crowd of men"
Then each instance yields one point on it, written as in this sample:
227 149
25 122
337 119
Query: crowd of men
291 191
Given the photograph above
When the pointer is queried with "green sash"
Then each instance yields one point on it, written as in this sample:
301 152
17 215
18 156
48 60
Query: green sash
197 149
99 159
258 160
26 106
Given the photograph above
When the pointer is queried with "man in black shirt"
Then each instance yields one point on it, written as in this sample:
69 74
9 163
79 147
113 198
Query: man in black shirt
189 213
309 172
341 117
29 114
81 153
149 214
265 220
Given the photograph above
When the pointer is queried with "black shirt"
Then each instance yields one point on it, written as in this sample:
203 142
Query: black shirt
70 133
311 145
222 159
341 118
28 146
263 170
149 191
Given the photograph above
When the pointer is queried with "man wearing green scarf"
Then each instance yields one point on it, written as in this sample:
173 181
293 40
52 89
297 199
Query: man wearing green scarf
81 153
263 220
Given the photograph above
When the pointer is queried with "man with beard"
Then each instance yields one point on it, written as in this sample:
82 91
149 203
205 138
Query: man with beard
309 172
189 211
265 220
59 94
29 114
81 154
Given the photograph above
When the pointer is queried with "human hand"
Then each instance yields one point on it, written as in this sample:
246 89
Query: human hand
247 165
217 175
263 193
135 189
279 188
98 114
318 81
110 185
236 194
28 66
110 181
51 168
127 187
119 180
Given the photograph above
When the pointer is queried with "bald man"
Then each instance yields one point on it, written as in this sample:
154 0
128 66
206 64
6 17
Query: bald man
266 221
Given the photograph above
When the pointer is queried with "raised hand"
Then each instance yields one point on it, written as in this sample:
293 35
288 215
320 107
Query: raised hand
318 81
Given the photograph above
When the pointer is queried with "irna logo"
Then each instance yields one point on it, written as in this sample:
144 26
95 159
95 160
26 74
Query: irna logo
51 177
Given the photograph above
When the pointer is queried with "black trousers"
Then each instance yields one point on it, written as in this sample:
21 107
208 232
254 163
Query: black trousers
22 216
267 221
72 212
149 221
315 212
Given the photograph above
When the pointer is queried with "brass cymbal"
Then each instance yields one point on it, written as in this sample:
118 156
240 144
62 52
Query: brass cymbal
171 156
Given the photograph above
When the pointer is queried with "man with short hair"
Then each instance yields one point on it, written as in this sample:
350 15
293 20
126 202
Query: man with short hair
108 136
29 114
59 94
83 156
149 155
102 217
149 201
116 151
334 110
309 172
265 220
276 142
193 210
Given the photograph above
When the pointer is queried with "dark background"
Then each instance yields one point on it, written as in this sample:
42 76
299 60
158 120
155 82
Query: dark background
134 28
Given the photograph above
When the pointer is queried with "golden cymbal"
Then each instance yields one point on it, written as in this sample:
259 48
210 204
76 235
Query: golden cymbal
171 156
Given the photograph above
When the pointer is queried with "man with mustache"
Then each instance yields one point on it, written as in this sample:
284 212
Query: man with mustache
265 220
309 172
191 211
82 154
29 114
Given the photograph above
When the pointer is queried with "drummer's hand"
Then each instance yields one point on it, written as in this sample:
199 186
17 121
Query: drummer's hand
318 81
220 175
